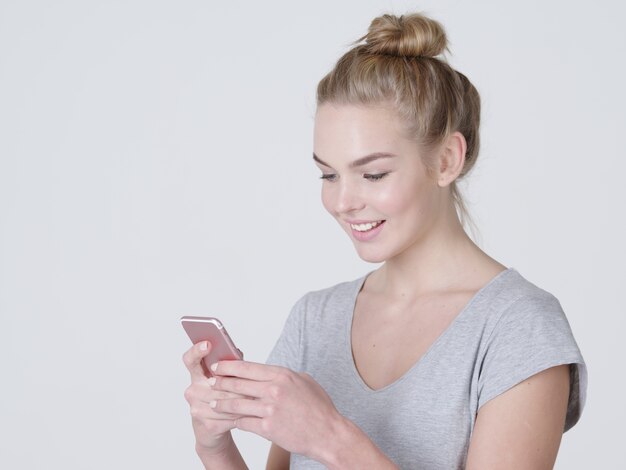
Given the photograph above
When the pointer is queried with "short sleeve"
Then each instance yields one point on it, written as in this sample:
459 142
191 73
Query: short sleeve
532 335
287 350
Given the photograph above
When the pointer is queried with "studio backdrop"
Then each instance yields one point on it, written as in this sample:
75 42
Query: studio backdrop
155 161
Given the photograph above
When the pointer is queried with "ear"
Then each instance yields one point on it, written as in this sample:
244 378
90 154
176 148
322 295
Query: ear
451 159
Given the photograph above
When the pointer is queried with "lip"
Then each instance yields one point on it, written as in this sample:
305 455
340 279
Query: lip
365 236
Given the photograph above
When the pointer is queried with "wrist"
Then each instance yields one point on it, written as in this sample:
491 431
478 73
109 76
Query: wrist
349 447
226 456
344 435
215 445
335 454
219 447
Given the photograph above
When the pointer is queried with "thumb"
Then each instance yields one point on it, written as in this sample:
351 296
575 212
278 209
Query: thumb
193 360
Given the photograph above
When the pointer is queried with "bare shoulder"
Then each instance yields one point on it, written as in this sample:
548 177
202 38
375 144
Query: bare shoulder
522 427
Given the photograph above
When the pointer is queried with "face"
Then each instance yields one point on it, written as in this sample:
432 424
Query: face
374 181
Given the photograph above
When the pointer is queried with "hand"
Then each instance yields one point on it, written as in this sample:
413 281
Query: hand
212 430
288 408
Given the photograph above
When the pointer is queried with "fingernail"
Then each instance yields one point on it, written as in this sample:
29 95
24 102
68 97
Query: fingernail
212 403
214 367
203 346
212 381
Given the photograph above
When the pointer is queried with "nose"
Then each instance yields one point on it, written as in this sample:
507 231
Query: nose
345 197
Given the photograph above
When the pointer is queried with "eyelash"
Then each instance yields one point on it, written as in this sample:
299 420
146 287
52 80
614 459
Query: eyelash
376 177
370 177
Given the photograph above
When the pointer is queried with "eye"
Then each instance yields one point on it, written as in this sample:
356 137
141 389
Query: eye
375 177
328 177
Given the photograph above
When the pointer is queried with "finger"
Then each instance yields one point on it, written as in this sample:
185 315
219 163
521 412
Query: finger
202 392
245 370
251 424
193 360
235 385
242 407
217 395
203 412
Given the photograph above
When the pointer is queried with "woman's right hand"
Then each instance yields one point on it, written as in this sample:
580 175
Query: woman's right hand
212 430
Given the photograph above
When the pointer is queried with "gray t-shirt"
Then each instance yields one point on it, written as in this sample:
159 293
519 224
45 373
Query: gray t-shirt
509 331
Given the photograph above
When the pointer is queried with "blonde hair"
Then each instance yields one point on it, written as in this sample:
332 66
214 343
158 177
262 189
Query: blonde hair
400 63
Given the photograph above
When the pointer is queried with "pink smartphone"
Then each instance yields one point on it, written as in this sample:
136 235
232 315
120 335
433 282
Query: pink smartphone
211 329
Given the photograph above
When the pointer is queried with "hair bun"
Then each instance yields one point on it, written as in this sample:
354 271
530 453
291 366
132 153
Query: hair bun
406 36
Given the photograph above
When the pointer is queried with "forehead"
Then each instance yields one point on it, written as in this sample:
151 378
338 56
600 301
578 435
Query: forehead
348 132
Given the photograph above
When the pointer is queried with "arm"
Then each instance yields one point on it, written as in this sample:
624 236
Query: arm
352 448
225 458
278 459
294 412
522 428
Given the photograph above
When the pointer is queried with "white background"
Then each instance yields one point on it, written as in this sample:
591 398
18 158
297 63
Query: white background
155 161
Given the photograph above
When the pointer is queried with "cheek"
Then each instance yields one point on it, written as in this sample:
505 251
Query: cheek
410 199
396 200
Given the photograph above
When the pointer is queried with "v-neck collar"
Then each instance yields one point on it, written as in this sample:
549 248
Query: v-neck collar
358 286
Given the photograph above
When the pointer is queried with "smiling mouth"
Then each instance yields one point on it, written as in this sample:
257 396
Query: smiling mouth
367 226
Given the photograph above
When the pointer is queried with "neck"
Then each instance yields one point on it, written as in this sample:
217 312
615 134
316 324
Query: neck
444 258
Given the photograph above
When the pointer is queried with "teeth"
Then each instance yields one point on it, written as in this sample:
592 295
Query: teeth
365 227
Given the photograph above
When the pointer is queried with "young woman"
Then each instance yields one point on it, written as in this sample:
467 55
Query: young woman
442 358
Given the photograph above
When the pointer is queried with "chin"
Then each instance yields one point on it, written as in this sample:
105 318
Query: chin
371 256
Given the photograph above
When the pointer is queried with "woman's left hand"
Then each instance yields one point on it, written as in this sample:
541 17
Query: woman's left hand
289 408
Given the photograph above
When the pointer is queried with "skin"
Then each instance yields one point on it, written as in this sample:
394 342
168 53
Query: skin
430 270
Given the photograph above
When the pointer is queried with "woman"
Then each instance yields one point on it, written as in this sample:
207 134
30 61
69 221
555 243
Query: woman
442 357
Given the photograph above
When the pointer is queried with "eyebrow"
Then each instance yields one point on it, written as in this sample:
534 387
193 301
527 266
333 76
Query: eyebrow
359 162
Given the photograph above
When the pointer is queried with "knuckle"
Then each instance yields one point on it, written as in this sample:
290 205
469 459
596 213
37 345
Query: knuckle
270 410
282 375
266 426
194 411
223 395
245 367
189 394
290 378
187 358
275 392
236 385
